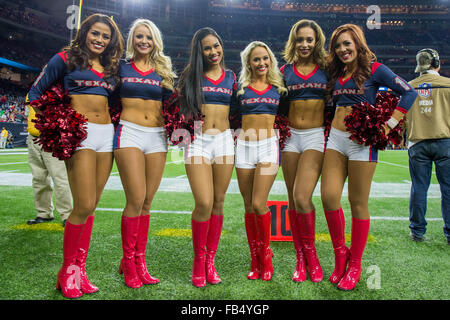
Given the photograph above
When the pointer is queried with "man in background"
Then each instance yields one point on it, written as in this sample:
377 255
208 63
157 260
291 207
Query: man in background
43 167
3 138
428 135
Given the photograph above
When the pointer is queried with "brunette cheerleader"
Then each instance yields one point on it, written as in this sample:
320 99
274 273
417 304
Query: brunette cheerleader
355 77
206 88
306 80
89 69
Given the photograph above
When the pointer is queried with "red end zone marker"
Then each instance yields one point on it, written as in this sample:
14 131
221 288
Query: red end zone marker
280 227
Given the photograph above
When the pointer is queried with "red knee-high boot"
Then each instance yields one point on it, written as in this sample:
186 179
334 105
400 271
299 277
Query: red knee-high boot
199 237
336 226
360 232
300 269
85 240
68 280
212 242
306 224
265 253
141 247
129 228
250 228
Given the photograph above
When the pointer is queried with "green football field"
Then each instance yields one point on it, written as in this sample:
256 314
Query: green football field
394 267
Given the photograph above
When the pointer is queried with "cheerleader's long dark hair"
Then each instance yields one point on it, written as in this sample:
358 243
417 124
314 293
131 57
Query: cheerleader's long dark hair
78 54
190 81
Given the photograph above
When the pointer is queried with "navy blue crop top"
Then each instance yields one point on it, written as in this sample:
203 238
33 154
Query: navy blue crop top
253 101
78 81
135 83
304 87
221 90
346 92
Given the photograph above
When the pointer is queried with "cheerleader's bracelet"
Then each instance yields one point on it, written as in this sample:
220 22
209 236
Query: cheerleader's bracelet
392 123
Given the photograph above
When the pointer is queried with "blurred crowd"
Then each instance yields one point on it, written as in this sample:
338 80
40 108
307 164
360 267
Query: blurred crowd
12 103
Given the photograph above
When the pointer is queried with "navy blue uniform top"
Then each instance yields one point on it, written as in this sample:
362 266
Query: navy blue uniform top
87 81
253 101
220 91
346 92
135 83
304 87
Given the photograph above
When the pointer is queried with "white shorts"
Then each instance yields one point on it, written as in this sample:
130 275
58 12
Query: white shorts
211 146
305 139
146 139
339 140
99 137
250 153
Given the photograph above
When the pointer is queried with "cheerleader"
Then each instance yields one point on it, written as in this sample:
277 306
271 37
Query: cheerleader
206 88
257 149
89 69
140 143
355 77
306 80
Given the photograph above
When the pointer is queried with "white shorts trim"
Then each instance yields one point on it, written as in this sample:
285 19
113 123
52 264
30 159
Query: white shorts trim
146 139
340 141
99 137
211 146
305 139
250 153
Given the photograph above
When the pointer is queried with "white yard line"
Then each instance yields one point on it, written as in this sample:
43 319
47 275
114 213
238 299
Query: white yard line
151 211
399 165
12 153
378 190
176 162
14 150
402 218
394 164
11 163
189 212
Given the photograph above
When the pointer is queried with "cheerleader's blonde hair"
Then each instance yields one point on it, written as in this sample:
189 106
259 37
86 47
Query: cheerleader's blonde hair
274 76
163 63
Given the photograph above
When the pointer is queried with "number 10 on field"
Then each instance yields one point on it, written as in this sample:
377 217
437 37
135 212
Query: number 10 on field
280 227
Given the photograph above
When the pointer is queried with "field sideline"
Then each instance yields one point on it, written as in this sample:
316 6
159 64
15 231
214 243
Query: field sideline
391 178
394 267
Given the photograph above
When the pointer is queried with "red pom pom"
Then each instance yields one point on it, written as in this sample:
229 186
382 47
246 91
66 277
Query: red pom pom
365 122
327 120
61 127
115 109
181 131
282 125
235 119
